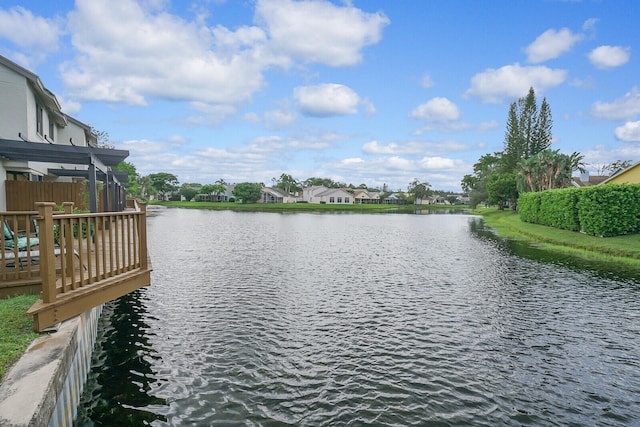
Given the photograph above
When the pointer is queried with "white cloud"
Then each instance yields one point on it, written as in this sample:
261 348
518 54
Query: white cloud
129 51
278 119
37 35
436 110
439 163
605 154
609 56
126 53
326 100
69 106
213 114
144 146
629 132
590 25
625 108
427 82
415 147
513 81
551 44
319 31
374 147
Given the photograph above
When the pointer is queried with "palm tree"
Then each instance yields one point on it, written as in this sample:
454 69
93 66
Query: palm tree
548 169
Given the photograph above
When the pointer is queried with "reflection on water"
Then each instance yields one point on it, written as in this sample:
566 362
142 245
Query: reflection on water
320 319
117 389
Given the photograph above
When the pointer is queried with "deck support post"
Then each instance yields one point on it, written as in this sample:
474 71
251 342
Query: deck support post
47 256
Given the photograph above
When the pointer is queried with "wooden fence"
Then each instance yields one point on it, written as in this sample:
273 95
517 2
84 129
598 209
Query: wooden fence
23 195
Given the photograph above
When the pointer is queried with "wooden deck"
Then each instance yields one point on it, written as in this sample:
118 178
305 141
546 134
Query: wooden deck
81 261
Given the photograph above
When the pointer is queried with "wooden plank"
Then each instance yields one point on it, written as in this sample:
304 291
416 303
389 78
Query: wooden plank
78 301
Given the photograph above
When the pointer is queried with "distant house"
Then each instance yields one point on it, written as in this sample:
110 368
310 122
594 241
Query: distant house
432 200
586 180
465 200
362 197
277 195
391 199
630 175
311 194
335 196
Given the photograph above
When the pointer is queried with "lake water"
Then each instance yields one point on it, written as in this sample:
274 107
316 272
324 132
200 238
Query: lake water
363 319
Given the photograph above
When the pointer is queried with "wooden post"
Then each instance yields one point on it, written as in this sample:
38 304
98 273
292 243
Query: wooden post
143 236
47 256
67 233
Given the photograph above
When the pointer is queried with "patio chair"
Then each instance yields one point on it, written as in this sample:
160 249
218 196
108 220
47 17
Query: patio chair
25 246
23 242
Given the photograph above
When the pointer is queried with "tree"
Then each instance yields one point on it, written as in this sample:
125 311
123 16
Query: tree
102 138
327 182
214 189
163 183
547 170
248 192
133 186
542 136
527 131
476 184
616 165
189 190
287 183
502 190
419 190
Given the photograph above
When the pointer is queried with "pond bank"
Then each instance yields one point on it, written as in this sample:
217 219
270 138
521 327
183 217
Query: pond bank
620 249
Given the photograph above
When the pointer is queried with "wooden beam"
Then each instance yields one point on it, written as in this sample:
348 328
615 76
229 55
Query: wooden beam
75 302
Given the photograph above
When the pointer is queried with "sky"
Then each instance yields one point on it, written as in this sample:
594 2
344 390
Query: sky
362 92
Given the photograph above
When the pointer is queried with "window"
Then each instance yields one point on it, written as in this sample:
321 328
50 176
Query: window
39 120
346 200
51 130
17 176
331 200
339 199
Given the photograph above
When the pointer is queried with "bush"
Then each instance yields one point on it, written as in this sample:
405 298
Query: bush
608 210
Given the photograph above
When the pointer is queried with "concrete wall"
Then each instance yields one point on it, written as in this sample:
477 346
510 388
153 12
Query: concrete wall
44 386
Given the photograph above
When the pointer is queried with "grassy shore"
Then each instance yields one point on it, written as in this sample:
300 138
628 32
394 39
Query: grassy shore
619 249
16 329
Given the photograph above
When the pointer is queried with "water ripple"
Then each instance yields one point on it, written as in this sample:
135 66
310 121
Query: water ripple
269 319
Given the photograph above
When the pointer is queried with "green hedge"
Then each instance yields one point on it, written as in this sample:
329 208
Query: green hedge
608 210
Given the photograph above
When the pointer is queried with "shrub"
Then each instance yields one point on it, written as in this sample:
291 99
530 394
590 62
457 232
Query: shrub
608 210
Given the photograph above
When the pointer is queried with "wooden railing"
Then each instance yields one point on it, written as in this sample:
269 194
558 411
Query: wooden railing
19 265
78 260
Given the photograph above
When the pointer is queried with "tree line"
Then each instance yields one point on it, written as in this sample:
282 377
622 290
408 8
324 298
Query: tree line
526 163
164 184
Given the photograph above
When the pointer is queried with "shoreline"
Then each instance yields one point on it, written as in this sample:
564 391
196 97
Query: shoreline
624 250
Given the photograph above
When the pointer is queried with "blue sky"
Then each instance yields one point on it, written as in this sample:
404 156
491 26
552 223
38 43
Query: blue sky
374 92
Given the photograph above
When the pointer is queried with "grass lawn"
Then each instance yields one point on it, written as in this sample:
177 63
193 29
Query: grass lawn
16 329
624 249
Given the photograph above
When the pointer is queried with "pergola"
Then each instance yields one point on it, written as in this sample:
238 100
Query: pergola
98 160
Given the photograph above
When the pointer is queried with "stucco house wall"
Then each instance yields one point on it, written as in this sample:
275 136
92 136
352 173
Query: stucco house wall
336 196
630 175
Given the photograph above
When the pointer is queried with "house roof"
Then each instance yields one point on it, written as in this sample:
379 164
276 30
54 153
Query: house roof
331 191
593 180
56 153
622 172
275 191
